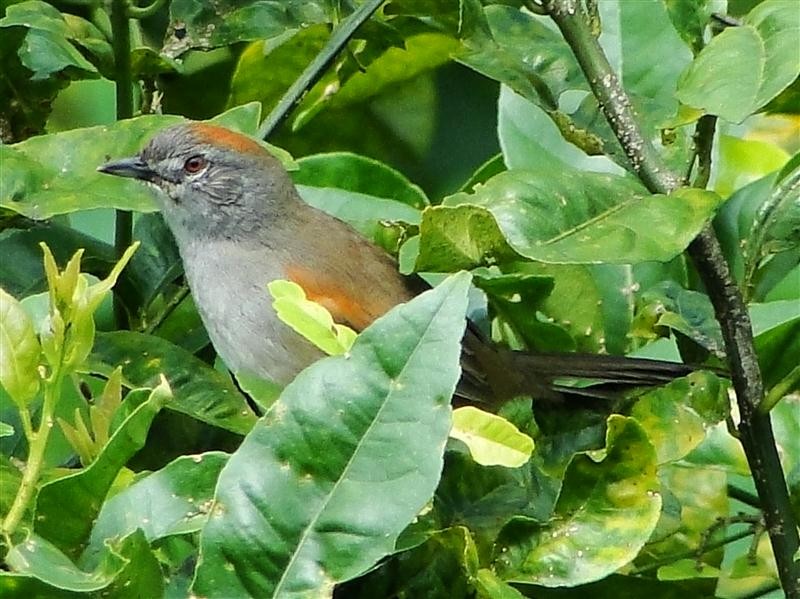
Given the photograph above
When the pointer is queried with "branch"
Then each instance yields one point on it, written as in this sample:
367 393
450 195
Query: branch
755 428
317 67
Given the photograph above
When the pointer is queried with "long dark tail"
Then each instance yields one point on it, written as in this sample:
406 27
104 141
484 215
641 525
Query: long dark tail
491 372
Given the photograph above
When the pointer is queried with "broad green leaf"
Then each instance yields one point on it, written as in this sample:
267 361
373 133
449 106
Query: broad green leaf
67 524
347 457
580 218
310 319
27 586
653 54
461 237
524 54
128 569
351 172
489 586
777 349
516 303
196 24
198 390
173 500
441 567
57 173
19 351
530 140
669 307
676 416
491 439
701 493
690 18
486 498
745 67
604 515
638 587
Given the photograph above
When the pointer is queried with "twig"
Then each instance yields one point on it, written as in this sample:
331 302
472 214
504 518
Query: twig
755 428
692 553
745 497
317 67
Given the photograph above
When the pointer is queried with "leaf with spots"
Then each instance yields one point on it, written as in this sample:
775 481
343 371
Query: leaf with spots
199 390
563 218
608 507
347 457
170 501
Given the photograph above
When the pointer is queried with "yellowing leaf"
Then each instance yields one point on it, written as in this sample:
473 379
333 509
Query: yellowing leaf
492 440
309 319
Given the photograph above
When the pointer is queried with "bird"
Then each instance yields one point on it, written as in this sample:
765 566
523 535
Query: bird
240 223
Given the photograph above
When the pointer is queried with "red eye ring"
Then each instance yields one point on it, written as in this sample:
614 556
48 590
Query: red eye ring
195 164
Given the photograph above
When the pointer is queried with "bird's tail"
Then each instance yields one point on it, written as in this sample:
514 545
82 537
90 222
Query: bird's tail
505 373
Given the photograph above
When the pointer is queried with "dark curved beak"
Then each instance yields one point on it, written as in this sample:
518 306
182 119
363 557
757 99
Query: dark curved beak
133 167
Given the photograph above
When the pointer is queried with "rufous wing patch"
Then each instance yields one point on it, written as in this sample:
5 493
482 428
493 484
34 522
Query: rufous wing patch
356 312
225 138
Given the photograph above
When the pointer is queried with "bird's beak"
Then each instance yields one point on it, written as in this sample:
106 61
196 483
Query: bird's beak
133 167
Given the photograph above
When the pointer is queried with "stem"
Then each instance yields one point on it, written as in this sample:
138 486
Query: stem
780 390
745 497
33 468
137 12
755 428
173 303
317 67
123 226
692 552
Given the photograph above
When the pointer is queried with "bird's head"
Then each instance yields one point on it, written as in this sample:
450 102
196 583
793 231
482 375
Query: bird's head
213 182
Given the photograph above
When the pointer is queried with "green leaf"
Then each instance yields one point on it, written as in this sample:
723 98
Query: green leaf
57 174
668 306
530 140
690 18
745 67
19 351
198 390
491 439
579 217
128 567
489 586
328 500
197 24
358 190
310 319
170 501
351 172
6 430
604 515
652 53
524 54
441 567
453 238
66 524
677 415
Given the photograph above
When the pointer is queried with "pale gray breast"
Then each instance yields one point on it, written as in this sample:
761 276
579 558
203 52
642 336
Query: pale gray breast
229 286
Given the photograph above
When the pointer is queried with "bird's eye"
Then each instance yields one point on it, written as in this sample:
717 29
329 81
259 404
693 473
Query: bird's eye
195 164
